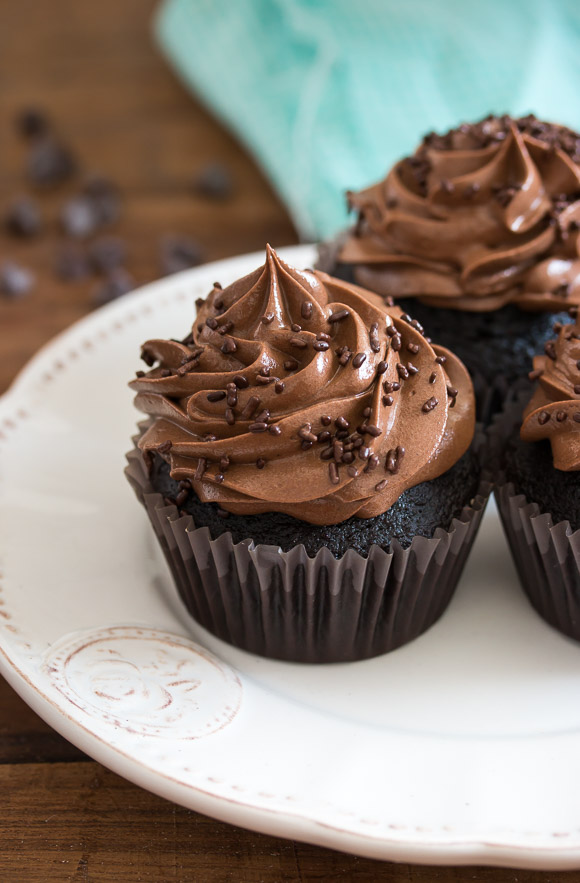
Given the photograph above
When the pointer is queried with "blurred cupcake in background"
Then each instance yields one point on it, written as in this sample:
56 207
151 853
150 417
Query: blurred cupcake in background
308 467
476 235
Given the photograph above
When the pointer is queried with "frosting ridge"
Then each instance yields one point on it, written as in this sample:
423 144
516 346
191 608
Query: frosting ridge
299 393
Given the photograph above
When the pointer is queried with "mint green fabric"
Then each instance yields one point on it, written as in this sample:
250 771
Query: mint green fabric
326 94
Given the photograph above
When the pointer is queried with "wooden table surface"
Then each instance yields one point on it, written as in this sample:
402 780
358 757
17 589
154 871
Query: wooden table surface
93 67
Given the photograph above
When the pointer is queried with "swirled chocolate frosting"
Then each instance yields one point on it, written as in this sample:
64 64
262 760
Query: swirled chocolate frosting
483 216
298 393
554 410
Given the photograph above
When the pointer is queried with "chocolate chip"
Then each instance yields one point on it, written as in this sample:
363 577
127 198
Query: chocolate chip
322 336
23 218
260 463
267 318
382 367
396 342
323 436
258 427
49 163
274 430
441 360
279 386
251 406
214 181
15 280
305 433
381 485
306 310
326 420
358 360
430 404
333 472
230 417
373 430
402 371
543 417
320 346
264 381
338 316
295 327
179 253
561 416
31 122
229 346
576 417
577 389
118 283
241 381
452 392
72 263
201 467
388 401
216 396
342 423
412 369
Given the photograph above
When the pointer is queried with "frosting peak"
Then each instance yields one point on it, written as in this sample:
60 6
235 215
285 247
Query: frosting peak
554 410
298 393
485 215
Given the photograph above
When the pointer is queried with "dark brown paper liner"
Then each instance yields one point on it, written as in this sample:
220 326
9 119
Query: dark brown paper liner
546 555
285 605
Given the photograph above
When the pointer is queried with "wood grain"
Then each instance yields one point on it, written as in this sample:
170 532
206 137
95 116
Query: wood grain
94 69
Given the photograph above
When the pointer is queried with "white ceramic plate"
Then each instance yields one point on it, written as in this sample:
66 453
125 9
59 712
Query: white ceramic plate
462 747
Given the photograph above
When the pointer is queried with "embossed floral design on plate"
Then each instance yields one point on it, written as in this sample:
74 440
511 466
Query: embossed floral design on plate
148 682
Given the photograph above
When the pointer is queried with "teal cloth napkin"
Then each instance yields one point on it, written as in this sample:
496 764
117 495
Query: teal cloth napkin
326 94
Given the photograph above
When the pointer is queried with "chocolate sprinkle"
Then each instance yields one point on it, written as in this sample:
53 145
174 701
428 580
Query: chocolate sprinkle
321 346
267 318
241 381
216 396
381 485
229 345
201 467
295 327
279 386
306 310
388 401
430 404
382 367
274 430
258 427
250 407
561 416
326 420
358 360
230 417
260 463
543 417
338 316
333 472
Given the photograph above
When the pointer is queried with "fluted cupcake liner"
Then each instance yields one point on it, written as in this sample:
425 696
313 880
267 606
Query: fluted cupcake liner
546 555
287 605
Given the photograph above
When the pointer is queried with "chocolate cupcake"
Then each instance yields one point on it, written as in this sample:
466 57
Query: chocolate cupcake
476 234
307 467
537 448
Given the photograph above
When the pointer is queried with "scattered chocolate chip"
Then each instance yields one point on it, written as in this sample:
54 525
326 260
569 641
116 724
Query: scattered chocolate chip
260 463
214 181
306 310
382 367
452 392
279 386
412 369
230 417
342 423
216 396
388 401
413 347
374 338
396 342
338 316
320 346
372 463
49 163
322 336
118 283
258 427
326 420
23 218
15 280
179 253
370 429
72 263
107 254
402 371
105 198
241 381
358 360
430 404
323 436
381 485
441 360
576 416
327 454
577 389
306 434
264 381
364 452
267 318
561 416
543 417
295 327
391 330
32 122
274 430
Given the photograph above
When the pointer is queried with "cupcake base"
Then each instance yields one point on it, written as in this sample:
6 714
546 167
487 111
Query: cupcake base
301 608
545 545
